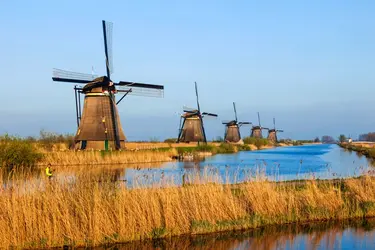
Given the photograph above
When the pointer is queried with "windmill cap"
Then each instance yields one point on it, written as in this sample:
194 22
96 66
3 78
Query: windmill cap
102 81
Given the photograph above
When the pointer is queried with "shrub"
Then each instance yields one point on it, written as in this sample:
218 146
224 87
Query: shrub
297 143
371 152
243 147
154 139
15 152
258 142
226 148
170 140
48 139
218 139
205 148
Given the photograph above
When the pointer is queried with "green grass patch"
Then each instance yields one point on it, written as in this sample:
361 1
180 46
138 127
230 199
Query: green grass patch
258 142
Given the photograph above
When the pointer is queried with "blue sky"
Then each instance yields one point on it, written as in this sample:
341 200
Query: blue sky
310 64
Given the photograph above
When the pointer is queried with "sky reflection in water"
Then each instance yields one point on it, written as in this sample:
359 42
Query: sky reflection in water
283 163
355 235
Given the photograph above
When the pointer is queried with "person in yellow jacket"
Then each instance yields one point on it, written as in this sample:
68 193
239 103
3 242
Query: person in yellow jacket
49 171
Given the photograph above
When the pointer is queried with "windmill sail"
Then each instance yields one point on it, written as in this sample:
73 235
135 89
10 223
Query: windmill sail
107 33
137 89
60 75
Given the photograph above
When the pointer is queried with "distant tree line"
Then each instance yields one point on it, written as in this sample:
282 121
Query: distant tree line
342 138
367 137
328 139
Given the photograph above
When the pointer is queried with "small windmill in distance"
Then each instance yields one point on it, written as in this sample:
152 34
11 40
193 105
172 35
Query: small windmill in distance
272 133
256 131
191 123
232 128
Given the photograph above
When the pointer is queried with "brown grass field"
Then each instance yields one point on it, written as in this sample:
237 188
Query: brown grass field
69 157
363 144
91 211
136 152
134 146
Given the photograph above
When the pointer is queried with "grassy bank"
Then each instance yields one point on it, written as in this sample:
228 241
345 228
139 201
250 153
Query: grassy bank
365 149
53 149
88 212
153 154
66 158
222 148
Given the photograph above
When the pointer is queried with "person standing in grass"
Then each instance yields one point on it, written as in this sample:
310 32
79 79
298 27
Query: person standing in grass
49 171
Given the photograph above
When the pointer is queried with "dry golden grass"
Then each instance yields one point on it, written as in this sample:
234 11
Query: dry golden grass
89 211
154 145
362 144
135 145
100 157
136 152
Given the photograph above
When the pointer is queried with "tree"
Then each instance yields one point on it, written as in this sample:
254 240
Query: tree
328 139
317 139
342 138
367 137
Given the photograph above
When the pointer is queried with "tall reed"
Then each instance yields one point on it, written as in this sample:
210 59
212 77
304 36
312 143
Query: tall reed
103 157
90 211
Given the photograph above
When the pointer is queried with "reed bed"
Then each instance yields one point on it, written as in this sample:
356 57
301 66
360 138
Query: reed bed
89 211
65 158
365 149
136 153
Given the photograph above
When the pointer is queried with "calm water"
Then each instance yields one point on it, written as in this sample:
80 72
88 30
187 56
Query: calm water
283 163
338 235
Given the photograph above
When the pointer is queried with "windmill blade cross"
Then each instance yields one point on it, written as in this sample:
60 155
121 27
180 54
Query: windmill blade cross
141 89
188 108
274 123
259 119
235 111
228 122
196 93
190 111
107 33
140 85
209 114
60 75
244 123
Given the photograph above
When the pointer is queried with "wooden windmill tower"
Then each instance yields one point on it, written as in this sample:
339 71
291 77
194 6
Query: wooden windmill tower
99 125
272 133
256 131
191 124
232 128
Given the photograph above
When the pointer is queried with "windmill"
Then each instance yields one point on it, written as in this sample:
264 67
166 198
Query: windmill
272 133
256 131
191 124
232 128
99 125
